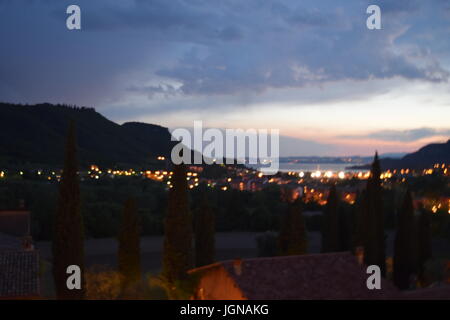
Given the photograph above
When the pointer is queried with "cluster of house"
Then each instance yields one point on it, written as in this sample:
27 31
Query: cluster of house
19 261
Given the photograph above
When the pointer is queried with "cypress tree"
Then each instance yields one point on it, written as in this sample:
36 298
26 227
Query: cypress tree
331 223
424 252
404 244
359 221
293 237
204 233
283 235
345 229
374 237
177 252
67 245
129 250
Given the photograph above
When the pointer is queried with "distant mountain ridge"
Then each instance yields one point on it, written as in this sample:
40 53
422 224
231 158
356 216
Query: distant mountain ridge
36 134
423 158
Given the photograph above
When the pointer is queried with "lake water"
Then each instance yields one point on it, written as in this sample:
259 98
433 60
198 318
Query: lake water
309 167
334 167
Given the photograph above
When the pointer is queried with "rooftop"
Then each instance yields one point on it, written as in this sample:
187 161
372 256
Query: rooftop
441 292
19 274
314 276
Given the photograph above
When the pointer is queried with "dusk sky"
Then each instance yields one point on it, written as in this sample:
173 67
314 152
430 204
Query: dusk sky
309 68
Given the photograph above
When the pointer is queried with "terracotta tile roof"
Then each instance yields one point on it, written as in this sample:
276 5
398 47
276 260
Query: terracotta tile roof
19 274
434 293
315 276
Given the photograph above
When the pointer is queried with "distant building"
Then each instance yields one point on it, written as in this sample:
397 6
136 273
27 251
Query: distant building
19 274
19 261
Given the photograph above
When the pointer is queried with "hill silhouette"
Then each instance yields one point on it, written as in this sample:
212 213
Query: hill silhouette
425 157
36 134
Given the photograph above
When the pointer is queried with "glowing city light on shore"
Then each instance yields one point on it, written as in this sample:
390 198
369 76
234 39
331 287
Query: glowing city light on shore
341 175
328 174
301 174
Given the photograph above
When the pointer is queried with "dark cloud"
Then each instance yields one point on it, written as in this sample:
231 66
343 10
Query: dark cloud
166 90
285 52
202 47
